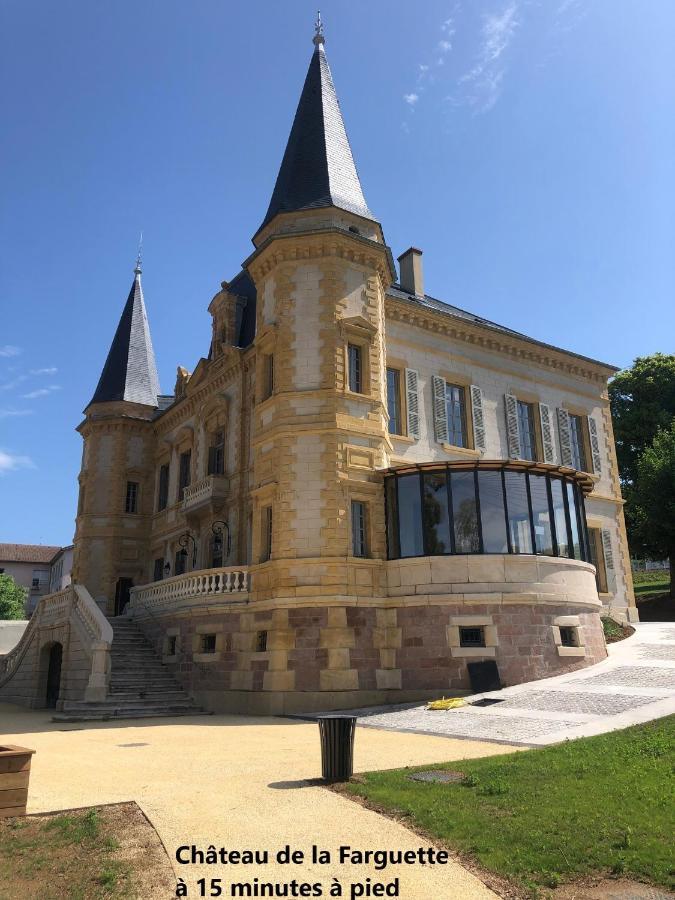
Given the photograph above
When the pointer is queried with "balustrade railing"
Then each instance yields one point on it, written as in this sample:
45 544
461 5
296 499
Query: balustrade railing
213 486
203 585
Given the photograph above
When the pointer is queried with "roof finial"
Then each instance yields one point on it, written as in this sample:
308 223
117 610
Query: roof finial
318 31
139 258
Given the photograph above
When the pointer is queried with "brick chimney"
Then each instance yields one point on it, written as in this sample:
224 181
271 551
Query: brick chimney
412 276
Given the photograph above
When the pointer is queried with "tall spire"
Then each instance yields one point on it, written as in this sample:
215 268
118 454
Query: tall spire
318 168
130 371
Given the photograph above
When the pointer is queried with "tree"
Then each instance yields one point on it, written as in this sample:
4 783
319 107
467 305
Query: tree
642 400
12 598
653 495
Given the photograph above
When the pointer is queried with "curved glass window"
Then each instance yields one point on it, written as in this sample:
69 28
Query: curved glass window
439 511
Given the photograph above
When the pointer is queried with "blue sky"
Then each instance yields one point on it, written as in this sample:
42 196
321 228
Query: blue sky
527 147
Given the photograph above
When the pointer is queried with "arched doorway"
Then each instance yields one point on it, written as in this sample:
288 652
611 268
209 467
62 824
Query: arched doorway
122 589
54 675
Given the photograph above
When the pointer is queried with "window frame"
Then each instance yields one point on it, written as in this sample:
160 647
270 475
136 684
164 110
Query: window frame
463 409
266 532
184 473
163 486
132 498
579 441
216 454
396 370
533 431
358 375
465 641
362 524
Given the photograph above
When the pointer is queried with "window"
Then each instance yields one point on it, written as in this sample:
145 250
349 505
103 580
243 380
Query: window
163 492
578 443
208 643
217 551
568 636
493 520
158 569
171 645
526 430
217 454
359 535
541 516
261 642
409 516
266 535
394 401
597 554
36 583
355 368
131 502
180 565
465 512
454 509
471 637
267 376
435 514
455 406
519 512
184 466
80 501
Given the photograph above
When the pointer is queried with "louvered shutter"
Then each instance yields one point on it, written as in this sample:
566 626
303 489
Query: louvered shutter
565 440
412 403
440 409
512 432
595 445
545 417
609 561
477 418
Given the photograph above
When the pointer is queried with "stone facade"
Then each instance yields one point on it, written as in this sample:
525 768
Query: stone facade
276 437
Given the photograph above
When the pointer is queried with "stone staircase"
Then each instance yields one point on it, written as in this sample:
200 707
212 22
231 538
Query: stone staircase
140 685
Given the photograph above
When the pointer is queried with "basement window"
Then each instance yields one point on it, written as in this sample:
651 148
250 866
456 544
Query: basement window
261 642
208 643
568 636
471 637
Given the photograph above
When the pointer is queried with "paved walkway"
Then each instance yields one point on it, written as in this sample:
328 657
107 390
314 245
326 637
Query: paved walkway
635 684
238 782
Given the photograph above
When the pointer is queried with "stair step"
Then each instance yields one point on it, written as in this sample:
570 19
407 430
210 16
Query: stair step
104 717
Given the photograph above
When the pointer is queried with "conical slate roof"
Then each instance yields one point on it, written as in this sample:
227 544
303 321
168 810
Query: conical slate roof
318 167
130 371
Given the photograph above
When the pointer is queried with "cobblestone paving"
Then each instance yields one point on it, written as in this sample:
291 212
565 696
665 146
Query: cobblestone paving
634 676
658 651
569 701
467 722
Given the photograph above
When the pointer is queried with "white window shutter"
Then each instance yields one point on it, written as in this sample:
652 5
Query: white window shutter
440 409
479 441
545 417
512 432
412 403
595 445
609 560
564 434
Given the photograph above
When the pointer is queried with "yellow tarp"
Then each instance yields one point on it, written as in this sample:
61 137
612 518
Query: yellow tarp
450 703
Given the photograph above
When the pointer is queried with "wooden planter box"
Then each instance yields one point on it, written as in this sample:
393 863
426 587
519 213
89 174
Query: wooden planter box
14 776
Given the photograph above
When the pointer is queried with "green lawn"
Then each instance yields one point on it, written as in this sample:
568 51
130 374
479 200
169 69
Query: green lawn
595 805
650 582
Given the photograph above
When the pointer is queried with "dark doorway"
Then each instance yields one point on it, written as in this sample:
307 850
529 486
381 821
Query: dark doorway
124 585
54 675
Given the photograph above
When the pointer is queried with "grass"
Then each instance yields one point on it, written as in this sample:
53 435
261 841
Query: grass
615 631
651 582
64 856
537 818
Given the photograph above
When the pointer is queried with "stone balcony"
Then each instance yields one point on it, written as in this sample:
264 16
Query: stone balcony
228 586
210 491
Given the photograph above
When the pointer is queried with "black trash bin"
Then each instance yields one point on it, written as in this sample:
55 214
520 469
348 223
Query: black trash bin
337 747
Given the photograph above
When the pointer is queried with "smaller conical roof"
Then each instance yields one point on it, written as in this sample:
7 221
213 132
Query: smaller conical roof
130 371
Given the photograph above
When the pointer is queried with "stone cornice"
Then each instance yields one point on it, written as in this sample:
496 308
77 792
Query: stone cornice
488 338
329 243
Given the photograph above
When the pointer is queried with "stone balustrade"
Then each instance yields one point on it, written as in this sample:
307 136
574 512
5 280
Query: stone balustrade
206 586
213 487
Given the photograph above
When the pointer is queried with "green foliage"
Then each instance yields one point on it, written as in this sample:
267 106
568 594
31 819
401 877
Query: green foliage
554 814
653 496
642 400
611 628
12 598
